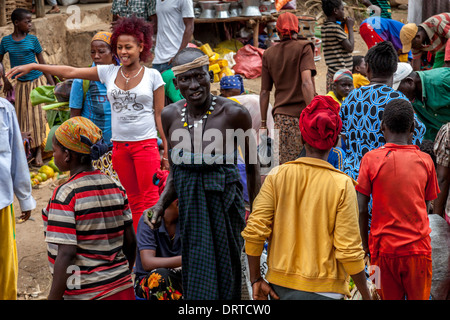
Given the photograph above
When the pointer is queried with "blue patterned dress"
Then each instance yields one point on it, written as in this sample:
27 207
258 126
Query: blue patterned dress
361 114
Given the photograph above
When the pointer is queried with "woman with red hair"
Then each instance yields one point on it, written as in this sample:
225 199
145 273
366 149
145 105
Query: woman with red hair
135 110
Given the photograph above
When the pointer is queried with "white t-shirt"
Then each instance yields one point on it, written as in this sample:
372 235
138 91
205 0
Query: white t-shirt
170 14
132 111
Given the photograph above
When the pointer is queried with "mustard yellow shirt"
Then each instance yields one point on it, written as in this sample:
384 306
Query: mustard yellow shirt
359 80
331 94
309 212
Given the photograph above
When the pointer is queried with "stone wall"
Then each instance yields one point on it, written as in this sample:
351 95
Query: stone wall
65 37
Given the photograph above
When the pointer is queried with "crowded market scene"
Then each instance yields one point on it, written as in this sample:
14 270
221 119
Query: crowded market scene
224 150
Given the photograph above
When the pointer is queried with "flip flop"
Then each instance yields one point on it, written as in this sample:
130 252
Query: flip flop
51 11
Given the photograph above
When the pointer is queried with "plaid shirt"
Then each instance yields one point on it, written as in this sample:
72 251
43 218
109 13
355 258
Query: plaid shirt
438 30
140 8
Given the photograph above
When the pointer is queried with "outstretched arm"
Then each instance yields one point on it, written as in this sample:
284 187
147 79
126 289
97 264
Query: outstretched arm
62 72
40 59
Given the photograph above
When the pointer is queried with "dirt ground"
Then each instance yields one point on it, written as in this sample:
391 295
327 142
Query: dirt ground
34 275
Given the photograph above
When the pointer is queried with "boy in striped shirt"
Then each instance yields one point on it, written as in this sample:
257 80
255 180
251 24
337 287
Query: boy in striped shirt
88 223
337 46
24 48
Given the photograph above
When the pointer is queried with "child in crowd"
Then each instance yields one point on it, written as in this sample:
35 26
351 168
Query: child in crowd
336 44
399 240
342 85
24 48
158 263
88 223
359 72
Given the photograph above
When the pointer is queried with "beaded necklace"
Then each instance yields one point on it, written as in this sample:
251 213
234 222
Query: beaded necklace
184 114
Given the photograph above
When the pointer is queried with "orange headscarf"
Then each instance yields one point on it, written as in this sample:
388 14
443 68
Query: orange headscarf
287 23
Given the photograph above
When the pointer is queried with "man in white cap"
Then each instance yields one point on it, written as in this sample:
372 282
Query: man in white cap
429 36
429 93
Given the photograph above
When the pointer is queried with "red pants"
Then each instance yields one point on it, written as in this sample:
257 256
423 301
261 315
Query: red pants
404 277
135 163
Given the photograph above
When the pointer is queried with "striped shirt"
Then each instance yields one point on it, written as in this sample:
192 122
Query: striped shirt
336 57
438 31
22 52
90 212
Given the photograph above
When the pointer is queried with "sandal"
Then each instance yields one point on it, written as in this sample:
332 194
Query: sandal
53 10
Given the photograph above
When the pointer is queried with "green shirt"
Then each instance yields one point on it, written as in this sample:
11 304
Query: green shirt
169 88
434 109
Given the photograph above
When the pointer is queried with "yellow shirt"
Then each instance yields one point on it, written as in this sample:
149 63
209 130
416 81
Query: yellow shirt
309 212
359 80
331 94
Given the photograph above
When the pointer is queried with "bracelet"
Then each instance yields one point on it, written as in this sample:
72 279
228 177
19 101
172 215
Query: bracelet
165 159
264 121
255 281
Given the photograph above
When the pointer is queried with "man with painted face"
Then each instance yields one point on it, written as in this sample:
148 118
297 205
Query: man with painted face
205 179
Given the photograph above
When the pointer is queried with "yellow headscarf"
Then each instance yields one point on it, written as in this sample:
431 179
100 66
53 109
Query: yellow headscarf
103 36
78 134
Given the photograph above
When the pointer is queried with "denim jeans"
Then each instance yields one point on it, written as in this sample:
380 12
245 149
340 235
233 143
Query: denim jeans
161 67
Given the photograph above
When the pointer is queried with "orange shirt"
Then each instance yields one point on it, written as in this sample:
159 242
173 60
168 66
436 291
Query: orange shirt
400 179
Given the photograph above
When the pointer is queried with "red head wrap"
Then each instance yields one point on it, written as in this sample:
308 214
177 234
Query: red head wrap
320 123
286 23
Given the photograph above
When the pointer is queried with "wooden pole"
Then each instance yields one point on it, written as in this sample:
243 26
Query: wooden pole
256 34
40 9
2 13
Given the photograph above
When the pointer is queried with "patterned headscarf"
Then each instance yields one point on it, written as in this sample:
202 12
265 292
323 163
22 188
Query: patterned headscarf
81 135
103 36
232 82
320 123
342 74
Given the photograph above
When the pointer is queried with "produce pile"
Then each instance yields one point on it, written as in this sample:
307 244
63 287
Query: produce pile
48 172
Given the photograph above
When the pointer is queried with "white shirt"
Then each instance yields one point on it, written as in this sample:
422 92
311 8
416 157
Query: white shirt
14 173
170 14
132 111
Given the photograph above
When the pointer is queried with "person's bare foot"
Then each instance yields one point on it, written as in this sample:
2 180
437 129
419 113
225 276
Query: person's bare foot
38 162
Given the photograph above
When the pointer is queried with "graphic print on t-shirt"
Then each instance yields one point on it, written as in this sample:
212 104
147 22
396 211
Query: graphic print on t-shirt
125 100
125 103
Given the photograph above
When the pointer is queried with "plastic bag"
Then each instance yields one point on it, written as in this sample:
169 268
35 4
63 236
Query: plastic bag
265 151
248 62
232 45
62 90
